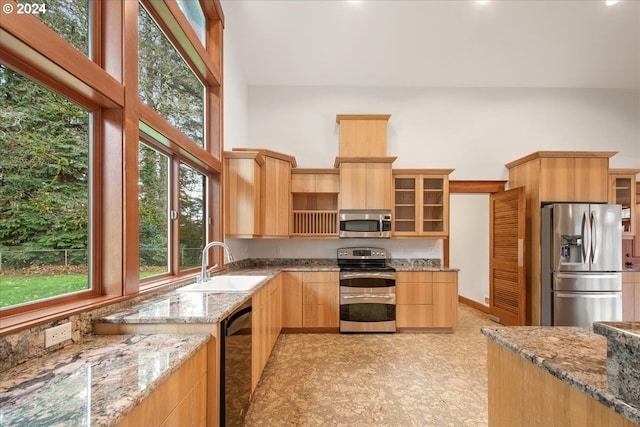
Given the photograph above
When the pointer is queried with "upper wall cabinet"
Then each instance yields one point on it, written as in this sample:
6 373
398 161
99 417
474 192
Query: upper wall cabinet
363 135
365 169
257 193
622 191
421 202
365 183
314 202
565 176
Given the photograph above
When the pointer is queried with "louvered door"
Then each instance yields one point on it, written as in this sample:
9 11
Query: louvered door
507 283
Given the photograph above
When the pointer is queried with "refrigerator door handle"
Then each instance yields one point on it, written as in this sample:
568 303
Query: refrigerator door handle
586 238
594 237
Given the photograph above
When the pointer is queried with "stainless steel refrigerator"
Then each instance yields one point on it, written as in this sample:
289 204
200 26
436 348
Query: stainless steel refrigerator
581 250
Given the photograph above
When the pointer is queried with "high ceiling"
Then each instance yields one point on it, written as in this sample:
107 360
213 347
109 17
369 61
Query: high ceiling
430 43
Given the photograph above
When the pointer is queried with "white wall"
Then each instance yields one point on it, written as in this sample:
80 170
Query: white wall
469 244
292 248
474 130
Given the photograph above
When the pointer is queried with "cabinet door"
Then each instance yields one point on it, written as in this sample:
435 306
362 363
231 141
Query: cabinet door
378 185
580 179
445 299
405 209
435 205
242 197
320 299
622 191
353 177
276 197
630 296
291 300
275 311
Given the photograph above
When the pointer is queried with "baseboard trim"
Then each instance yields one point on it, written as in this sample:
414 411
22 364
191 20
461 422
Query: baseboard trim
473 304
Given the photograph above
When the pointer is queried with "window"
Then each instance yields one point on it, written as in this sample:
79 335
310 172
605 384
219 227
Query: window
69 18
166 83
195 16
87 191
192 214
153 196
44 187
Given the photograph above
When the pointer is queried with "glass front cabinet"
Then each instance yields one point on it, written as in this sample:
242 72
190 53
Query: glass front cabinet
622 191
421 202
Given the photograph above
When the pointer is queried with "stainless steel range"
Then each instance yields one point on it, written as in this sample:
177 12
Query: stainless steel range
367 290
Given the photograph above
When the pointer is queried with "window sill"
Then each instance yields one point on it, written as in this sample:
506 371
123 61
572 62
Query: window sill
30 319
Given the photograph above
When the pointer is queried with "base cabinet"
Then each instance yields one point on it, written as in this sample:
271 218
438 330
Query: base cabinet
180 401
266 326
523 394
320 299
426 299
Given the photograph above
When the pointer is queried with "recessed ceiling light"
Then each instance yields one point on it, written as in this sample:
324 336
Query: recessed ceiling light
611 2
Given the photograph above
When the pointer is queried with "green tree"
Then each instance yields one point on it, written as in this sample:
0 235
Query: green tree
44 167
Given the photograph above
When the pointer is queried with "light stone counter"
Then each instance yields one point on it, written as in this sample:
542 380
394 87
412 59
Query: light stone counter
623 359
94 383
190 307
575 355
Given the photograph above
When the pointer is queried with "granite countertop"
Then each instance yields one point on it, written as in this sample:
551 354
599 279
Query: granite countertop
575 355
190 307
93 383
623 359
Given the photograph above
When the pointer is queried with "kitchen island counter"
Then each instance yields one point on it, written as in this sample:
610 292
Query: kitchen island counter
574 355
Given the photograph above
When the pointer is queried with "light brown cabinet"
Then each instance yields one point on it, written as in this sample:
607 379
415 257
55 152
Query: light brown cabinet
266 326
520 393
631 296
291 299
257 193
426 299
421 202
622 191
554 176
365 183
181 400
363 135
320 299
314 202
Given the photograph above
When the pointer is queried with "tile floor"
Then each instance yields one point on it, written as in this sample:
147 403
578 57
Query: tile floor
404 379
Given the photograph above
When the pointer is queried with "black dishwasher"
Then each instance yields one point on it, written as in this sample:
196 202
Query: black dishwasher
235 366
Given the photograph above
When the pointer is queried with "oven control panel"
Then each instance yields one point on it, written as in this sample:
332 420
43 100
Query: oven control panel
362 253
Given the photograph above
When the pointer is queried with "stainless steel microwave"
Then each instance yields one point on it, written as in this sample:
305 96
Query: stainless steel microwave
365 223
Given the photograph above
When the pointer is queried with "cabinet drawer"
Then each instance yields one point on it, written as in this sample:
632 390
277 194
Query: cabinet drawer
414 316
414 293
321 316
414 276
445 276
320 276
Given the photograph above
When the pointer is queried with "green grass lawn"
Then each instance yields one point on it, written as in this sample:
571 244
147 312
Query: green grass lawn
19 288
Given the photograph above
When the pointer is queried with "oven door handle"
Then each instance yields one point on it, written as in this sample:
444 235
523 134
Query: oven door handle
383 296
367 275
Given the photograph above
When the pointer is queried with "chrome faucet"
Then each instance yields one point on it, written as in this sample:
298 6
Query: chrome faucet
204 273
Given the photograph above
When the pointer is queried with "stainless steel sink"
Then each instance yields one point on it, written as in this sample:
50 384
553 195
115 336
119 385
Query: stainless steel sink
226 283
